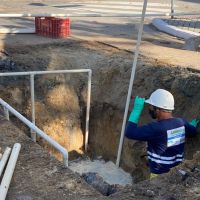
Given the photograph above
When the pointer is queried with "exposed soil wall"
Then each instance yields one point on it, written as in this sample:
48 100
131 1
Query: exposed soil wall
183 83
60 100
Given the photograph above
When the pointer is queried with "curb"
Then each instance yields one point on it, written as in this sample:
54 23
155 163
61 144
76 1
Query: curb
172 30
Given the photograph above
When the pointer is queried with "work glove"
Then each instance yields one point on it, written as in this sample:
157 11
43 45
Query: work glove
194 122
137 110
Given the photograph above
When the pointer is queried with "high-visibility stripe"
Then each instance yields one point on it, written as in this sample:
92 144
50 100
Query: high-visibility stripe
164 161
165 157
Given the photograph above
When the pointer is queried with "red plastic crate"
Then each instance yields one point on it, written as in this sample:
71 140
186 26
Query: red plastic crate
52 27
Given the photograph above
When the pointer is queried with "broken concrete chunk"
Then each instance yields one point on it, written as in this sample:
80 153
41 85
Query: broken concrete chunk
99 184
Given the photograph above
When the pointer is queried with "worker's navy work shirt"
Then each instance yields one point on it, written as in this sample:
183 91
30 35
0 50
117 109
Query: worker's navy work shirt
165 141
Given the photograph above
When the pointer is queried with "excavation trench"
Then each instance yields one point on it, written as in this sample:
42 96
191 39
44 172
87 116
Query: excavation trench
61 99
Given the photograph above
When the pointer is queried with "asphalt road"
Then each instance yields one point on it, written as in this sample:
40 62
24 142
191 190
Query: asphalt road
88 6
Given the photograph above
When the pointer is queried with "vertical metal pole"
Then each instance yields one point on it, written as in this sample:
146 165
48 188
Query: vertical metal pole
6 113
33 134
172 9
131 82
88 109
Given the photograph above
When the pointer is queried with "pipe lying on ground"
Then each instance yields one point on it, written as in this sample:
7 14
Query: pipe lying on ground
172 30
9 171
4 159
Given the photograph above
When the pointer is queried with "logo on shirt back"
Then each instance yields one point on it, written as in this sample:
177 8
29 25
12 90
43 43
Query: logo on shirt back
175 136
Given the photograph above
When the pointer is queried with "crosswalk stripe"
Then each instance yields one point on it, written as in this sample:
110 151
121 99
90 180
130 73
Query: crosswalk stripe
115 3
112 7
115 8
111 11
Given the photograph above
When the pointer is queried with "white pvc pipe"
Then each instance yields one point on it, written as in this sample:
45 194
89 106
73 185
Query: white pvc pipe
97 15
33 134
43 135
88 110
172 30
131 83
4 159
9 171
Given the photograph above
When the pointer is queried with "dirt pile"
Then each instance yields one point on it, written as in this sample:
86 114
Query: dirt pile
173 186
60 100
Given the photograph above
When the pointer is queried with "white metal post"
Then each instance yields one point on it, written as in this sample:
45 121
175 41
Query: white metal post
6 113
131 83
172 9
33 134
9 171
4 159
88 109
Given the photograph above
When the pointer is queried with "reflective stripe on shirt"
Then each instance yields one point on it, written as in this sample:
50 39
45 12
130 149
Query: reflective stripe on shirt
164 161
164 157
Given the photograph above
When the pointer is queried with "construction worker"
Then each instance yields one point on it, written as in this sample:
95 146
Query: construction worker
166 137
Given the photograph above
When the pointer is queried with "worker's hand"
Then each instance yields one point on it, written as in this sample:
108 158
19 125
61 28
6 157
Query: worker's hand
139 104
194 122
137 109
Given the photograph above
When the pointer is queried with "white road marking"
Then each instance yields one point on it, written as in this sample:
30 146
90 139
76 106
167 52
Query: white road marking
112 7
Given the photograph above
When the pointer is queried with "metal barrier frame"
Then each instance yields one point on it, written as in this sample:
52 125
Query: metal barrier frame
57 146
171 13
32 75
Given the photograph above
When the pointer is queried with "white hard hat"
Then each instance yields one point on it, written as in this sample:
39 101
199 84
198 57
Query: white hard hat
161 99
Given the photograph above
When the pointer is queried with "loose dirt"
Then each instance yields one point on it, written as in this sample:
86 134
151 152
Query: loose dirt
60 106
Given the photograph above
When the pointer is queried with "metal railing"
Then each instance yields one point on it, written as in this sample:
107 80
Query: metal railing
171 13
33 73
43 135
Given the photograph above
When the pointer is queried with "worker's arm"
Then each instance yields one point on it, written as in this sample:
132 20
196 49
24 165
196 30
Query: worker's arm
142 133
191 127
